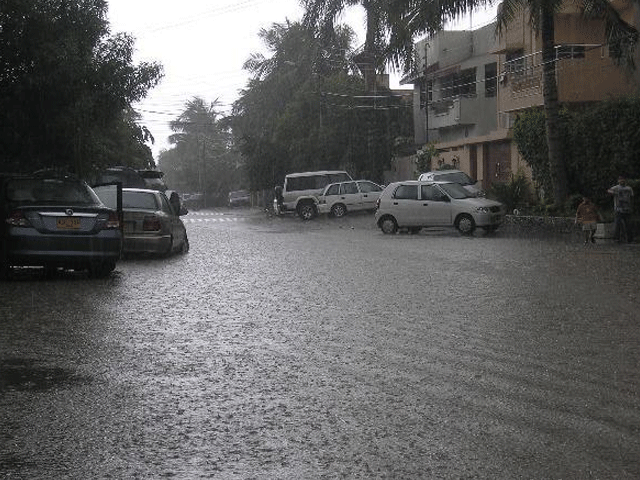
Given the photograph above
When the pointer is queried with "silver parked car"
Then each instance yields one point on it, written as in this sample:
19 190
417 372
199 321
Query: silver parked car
340 198
152 224
414 205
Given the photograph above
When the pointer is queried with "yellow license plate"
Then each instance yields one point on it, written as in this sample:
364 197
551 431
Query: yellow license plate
68 223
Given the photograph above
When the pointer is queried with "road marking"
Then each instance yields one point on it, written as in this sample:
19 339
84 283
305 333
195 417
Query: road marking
208 220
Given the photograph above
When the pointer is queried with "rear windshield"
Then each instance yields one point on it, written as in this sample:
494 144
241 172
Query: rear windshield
139 201
45 191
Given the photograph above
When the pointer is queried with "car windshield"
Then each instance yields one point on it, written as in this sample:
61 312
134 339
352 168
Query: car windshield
46 191
455 177
455 190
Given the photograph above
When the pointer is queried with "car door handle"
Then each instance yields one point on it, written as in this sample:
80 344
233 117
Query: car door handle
425 204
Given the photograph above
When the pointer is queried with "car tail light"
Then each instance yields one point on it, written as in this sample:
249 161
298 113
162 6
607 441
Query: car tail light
113 221
17 219
151 224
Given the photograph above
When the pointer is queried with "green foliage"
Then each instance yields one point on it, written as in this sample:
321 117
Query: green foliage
425 155
66 88
512 193
305 109
202 158
601 142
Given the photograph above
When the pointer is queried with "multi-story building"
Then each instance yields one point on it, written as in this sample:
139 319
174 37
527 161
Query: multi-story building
472 84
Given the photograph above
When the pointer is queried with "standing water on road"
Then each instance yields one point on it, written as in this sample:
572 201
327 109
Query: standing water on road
278 348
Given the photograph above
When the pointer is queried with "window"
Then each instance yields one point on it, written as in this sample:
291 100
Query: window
349 188
406 192
515 63
333 189
139 200
368 187
461 83
569 51
433 193
490 79
467 82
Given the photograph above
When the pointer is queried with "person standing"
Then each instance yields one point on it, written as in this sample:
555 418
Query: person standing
622 198
587 215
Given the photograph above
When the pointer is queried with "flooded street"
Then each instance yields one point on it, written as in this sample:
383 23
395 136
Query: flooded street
278 349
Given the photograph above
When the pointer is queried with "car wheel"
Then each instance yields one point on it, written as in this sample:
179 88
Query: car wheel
466 225
338 210
102 270
306 211
388 225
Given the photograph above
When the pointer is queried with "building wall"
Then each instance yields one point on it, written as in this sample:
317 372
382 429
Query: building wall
482 138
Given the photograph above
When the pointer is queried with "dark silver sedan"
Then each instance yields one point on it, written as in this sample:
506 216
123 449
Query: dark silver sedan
57 222
151 223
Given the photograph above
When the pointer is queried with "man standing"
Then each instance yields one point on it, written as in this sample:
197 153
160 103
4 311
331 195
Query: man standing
622 197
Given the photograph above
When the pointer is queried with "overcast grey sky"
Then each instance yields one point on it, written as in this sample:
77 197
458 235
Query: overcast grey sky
202 45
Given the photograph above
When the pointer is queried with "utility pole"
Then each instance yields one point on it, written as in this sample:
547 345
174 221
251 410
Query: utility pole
426 92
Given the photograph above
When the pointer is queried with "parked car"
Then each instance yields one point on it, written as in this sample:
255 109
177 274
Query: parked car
239 198
58 221
415 204
337 199
455 176
300 190
152 225
192 201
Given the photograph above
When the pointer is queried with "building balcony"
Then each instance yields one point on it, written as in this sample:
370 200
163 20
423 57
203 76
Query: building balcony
454 111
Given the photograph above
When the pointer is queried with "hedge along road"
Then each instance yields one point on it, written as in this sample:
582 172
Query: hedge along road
282 349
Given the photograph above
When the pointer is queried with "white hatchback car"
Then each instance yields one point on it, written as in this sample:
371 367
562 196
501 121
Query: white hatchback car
339 198
414 205
455 176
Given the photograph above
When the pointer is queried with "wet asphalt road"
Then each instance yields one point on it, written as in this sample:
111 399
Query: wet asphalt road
278 349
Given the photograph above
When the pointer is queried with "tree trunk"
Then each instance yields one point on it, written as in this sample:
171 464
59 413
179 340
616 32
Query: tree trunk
369 70
552 107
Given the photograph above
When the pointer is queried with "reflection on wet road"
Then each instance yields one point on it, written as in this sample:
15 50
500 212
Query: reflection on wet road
282 349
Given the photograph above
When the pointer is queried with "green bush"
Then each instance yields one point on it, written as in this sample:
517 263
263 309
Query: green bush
601 142
512 193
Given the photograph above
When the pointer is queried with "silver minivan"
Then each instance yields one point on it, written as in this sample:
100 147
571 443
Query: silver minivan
414 205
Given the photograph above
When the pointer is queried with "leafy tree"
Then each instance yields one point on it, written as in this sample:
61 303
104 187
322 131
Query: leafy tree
202 158
410 18
305 109
66 88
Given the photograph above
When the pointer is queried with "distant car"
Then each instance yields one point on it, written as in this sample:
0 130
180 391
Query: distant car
152 225
337 199
58 222
415 205
193 201
455 176
239 198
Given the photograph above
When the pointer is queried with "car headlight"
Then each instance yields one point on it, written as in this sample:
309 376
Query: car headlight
483 209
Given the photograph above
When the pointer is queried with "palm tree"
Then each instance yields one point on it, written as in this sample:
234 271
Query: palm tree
322 14
410 18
